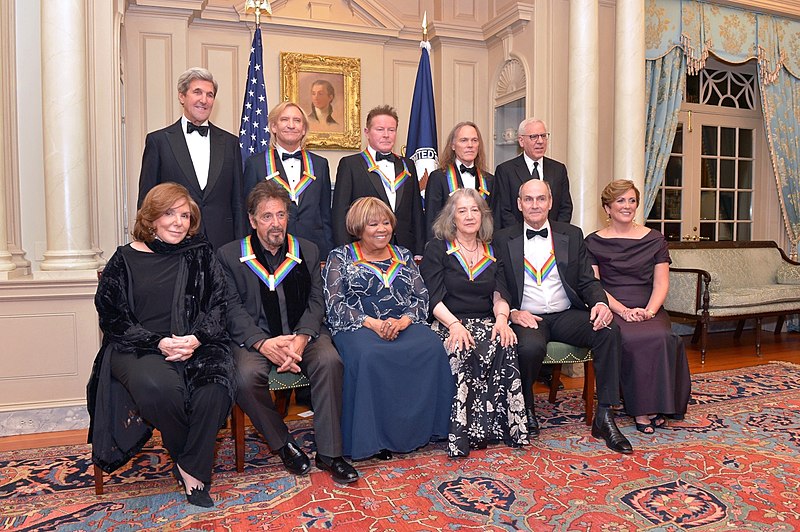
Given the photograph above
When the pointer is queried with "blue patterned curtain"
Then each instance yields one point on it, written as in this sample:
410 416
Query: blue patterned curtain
664 86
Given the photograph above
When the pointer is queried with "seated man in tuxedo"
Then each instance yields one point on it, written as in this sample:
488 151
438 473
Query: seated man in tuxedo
200 156
554 295
379 173
303 174
275 312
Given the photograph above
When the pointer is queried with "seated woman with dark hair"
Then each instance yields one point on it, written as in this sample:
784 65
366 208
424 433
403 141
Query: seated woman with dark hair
460 272
397 383
164 362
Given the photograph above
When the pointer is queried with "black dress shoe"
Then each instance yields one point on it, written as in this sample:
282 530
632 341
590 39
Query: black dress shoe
383 454
294 459
605 427
532 424
339 469
200 497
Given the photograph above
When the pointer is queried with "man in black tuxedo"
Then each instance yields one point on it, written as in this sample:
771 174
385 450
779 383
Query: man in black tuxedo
554 295
301 172
200 156
531 164
275 313
379 173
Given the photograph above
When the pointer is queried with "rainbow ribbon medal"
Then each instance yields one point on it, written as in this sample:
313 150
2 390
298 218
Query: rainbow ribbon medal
452 181
540 275
399 179
480 266
271 280
387 276
306 178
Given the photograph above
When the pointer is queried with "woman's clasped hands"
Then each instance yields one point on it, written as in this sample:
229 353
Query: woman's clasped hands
389 328
178 348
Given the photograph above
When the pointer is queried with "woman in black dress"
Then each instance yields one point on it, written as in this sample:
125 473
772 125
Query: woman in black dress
471 317
632 263
164 362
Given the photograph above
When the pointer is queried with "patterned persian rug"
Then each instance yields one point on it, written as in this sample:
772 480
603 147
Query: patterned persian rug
732 464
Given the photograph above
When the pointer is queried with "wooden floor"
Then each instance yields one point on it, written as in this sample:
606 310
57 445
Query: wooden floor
725 353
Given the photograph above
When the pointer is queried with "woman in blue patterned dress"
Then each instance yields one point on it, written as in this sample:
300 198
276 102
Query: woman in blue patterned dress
471 317
397 383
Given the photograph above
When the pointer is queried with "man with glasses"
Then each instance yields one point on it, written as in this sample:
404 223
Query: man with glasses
531 164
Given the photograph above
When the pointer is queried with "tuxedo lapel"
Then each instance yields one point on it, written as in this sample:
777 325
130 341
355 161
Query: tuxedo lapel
374 177
516 251
521 171
180 150
217 157
561 250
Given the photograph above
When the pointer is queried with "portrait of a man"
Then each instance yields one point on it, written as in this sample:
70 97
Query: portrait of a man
321 100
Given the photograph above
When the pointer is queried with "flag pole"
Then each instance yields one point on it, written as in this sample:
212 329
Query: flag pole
254 127
258 6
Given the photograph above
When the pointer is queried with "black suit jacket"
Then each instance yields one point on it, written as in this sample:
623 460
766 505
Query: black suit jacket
311 217
166 158
247 321
510 175
438 191
582 287
353 181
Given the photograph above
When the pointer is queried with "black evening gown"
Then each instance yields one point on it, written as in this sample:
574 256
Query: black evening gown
654 370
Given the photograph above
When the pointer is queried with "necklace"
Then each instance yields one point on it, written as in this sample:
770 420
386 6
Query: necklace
473 250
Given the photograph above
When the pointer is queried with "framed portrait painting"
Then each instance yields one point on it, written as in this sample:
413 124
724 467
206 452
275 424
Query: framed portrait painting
328 89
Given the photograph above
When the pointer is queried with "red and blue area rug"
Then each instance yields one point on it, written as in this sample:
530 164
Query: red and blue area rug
732 464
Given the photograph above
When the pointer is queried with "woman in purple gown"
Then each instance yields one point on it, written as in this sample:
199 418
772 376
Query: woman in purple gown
632 263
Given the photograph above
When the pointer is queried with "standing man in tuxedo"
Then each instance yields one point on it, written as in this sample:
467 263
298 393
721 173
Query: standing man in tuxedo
303 174
275 313
379 173
531 164
200 156
554 295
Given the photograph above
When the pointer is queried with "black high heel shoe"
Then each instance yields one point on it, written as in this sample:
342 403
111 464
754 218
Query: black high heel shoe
200 497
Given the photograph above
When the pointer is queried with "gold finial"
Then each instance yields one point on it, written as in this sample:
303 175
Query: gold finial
258 6
425 26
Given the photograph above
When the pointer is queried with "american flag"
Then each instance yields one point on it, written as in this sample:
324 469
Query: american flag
254 130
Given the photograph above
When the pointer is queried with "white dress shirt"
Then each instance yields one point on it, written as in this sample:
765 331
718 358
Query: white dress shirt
293 167
199 151
539 170
550 297
467 179
387 169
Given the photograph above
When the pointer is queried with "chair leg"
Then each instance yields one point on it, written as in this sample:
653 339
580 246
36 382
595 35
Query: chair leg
555 382
282 398
703 340
758 337
588 390
739 329
237 428
98 480
698 328
779 325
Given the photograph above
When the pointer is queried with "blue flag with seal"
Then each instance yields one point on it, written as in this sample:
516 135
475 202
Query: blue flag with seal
254 130
422 145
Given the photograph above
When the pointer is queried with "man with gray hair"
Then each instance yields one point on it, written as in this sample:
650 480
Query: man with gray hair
200 156
532 136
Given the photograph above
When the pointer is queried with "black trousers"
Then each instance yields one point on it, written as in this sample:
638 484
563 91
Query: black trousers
159 389
571 327
323 367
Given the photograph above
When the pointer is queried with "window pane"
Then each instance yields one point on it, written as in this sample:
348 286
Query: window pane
743 231
725 231
727 141
745 174
709 140
692 89
707 231
672 204
674 173
672 232
677 144
745 143
708 205
727 173
708 177
726 206
655 212
744 209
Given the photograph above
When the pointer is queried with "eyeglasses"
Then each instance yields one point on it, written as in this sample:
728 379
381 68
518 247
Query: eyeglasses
535 137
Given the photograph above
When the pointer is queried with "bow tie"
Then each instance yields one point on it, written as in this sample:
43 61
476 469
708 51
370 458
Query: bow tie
190 128
530 233
471 170
384 157
286 155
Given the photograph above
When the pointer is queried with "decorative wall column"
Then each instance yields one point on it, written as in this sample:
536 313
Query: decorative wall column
65 115
583 106
629 98
6 262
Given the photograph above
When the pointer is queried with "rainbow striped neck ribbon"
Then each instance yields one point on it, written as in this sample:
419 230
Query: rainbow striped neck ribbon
392 185
538 276
306 177
271 280
480 266
453 181
391 272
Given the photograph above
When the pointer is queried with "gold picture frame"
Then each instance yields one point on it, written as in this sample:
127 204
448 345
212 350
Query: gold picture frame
337 128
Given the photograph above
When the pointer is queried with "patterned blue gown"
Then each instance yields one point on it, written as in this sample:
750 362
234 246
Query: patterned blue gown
396 394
